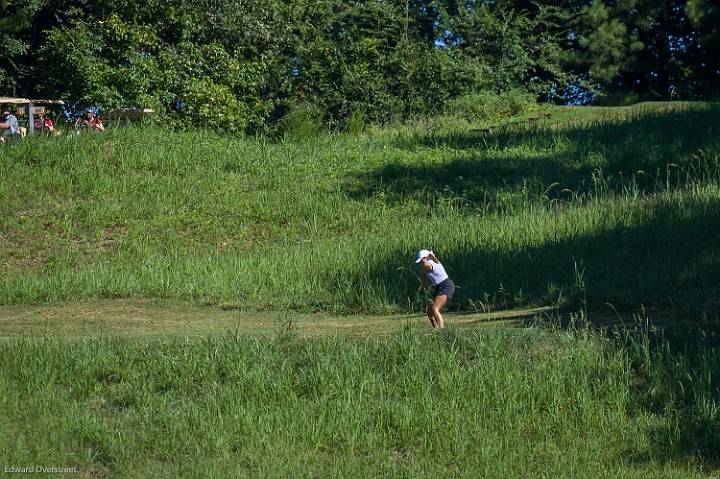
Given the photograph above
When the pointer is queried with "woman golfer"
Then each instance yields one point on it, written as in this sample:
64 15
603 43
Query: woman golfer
443 287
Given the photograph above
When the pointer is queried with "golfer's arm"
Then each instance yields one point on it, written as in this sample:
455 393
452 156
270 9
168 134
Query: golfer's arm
423 280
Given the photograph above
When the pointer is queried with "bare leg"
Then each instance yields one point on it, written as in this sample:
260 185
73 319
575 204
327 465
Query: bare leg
430 311
440 301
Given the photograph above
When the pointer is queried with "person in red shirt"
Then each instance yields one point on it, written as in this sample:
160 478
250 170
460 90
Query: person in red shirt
44 123
90 122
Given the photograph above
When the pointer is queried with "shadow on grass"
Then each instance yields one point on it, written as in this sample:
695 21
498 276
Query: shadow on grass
671 261
644 152
677 378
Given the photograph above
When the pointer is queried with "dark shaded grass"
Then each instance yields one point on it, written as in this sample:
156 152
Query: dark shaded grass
642 152
664 257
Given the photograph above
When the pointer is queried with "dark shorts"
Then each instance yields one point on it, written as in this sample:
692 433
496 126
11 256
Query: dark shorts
446 288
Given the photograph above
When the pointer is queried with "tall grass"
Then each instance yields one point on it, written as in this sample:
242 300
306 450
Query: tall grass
497 403
627 203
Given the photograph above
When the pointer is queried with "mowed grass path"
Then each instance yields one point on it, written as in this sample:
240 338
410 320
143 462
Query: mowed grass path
159 319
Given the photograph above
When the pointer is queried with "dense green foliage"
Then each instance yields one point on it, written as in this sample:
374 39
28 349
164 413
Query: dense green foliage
467 404
621 208
241 65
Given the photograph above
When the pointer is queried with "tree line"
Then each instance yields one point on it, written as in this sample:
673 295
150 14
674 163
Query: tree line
243 65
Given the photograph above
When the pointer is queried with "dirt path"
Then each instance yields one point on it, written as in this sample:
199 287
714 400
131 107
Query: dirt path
142 318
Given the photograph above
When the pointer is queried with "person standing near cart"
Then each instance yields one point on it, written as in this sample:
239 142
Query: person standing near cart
8 125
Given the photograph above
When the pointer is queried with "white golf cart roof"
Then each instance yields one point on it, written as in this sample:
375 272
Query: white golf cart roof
7 100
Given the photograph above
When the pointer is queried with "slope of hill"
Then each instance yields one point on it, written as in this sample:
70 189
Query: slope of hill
598 206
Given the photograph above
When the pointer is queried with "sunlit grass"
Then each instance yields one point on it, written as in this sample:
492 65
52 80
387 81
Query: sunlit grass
492 403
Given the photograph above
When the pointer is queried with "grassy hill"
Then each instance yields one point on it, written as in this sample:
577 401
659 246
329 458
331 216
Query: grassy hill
621 207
